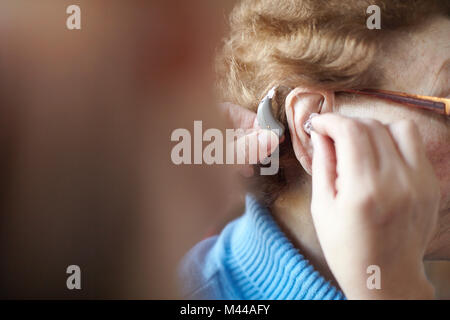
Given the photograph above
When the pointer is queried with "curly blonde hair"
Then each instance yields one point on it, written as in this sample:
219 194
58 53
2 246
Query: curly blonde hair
320 43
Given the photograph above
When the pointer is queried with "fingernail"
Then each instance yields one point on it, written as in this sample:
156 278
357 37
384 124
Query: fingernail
246 171
264 140
263 136
267 138
307 126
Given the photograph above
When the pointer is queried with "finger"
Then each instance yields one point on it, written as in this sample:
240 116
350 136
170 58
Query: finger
241 149
323 168
408 141
254 147
246 171
386 152
238 116
354 150
241 118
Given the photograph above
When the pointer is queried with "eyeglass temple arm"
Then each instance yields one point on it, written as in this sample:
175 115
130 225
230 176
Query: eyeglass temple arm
439 105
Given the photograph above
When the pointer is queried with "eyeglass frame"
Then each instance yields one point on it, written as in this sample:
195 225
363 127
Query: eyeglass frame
430 103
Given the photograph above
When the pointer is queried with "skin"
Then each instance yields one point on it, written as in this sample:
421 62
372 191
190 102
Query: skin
429 78
427 132
390 219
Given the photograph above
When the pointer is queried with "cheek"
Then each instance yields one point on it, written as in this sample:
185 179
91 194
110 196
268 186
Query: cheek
438 152
435 133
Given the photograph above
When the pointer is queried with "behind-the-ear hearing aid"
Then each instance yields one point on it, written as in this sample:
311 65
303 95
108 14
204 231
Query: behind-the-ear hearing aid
265 117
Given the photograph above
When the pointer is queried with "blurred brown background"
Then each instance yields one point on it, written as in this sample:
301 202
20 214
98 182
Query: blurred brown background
85 123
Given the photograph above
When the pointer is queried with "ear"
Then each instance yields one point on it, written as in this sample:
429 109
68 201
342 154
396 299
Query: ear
300 103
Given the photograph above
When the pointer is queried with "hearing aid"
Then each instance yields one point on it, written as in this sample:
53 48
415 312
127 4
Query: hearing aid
307 126
265 117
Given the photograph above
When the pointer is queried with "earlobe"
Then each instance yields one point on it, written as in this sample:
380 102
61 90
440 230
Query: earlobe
300 104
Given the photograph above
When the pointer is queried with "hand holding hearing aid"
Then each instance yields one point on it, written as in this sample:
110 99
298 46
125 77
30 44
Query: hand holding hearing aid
261 133
375 203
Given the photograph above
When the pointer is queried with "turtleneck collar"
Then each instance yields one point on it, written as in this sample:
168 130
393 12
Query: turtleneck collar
265 265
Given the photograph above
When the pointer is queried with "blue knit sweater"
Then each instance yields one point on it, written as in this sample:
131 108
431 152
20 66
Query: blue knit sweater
251 259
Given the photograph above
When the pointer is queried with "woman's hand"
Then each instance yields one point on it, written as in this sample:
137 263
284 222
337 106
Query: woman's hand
255 143
375 202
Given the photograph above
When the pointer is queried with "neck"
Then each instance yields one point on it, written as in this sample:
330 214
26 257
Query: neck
292 211
439 247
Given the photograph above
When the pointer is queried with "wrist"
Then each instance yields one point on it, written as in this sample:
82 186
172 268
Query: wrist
410 284
414 285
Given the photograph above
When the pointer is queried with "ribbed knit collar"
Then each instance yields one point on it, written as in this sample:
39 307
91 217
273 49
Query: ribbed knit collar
265 264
